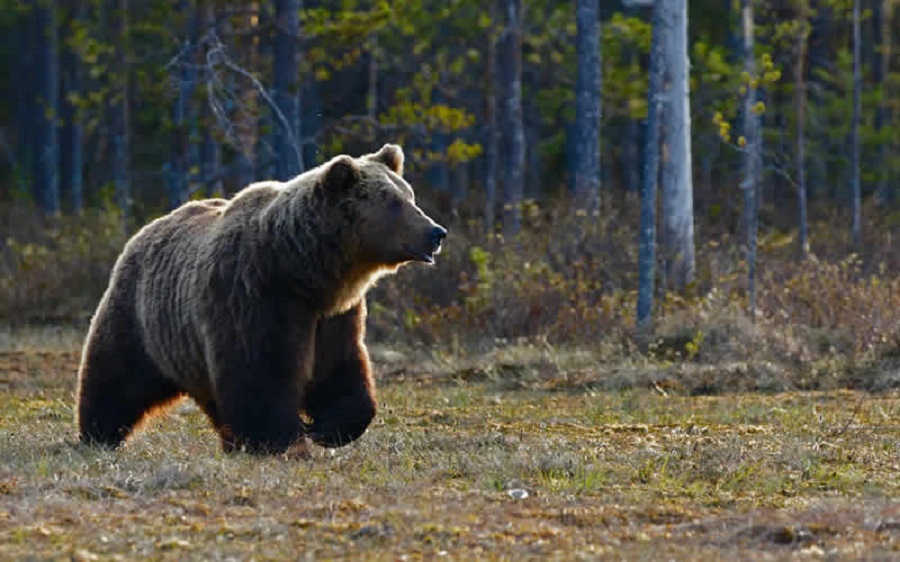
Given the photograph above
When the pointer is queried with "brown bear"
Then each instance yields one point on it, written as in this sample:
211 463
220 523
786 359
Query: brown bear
255 308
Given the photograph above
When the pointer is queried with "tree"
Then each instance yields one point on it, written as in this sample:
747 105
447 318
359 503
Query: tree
800 108
118 109
490 126
882 15
587 107
71 135
46 165
857 111
751 149
286 88
513 128
647 238
209 153
677 184
179 188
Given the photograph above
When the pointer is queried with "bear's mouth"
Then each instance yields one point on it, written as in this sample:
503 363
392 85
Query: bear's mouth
418 255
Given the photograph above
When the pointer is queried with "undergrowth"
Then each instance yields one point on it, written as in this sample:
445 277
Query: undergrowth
557 284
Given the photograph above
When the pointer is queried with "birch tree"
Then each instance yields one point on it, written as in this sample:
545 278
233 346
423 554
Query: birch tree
513 128
800 100
883 14
857 110
490 127
180 165
587 107
751 148
647 239
677 183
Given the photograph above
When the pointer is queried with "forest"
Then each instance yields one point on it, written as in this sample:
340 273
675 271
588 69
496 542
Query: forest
665 322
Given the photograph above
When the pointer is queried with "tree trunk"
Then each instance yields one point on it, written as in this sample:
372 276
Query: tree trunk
209 154
800 95
286 89
647 241
25 108
72 156
884 16
490 125
179 184
265 122
857 110
514 130
677 187
587 107
118 109
46 165
751 153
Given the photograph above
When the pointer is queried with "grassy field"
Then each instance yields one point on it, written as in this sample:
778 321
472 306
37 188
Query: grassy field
477 463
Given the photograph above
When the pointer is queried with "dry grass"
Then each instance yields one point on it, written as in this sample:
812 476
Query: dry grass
637 472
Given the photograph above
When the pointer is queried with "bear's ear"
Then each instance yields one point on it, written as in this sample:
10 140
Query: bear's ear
341 174
391 155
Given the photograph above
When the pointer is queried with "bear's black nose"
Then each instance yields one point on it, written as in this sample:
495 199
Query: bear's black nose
438 234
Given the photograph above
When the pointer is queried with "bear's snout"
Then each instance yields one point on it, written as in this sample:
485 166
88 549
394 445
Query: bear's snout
423 249
438 233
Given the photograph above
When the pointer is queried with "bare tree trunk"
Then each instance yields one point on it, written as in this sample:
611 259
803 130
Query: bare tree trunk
287 89
514 130
266 121
490 133
857 110
26 108
46 171
72 155
647 241
885 15
800 96
118 108
587 107
751 154
209 155
179 188
677 187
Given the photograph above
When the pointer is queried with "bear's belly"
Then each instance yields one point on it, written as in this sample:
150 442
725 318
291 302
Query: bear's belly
171 335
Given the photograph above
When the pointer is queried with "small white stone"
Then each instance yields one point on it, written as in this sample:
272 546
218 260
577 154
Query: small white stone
517 493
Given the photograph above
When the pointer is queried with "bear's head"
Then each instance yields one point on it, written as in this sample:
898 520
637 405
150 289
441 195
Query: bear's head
373 200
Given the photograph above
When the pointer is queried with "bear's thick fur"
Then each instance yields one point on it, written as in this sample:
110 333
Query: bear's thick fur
255 308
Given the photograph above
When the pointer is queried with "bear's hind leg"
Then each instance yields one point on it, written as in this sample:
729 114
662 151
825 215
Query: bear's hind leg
118 385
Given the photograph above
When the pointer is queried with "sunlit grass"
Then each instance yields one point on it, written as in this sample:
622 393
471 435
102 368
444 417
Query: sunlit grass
632 473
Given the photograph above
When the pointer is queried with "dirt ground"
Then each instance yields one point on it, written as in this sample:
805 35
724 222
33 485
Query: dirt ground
462 469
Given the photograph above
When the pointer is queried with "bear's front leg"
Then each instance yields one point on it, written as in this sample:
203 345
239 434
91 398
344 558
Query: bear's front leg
258 383
341 397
